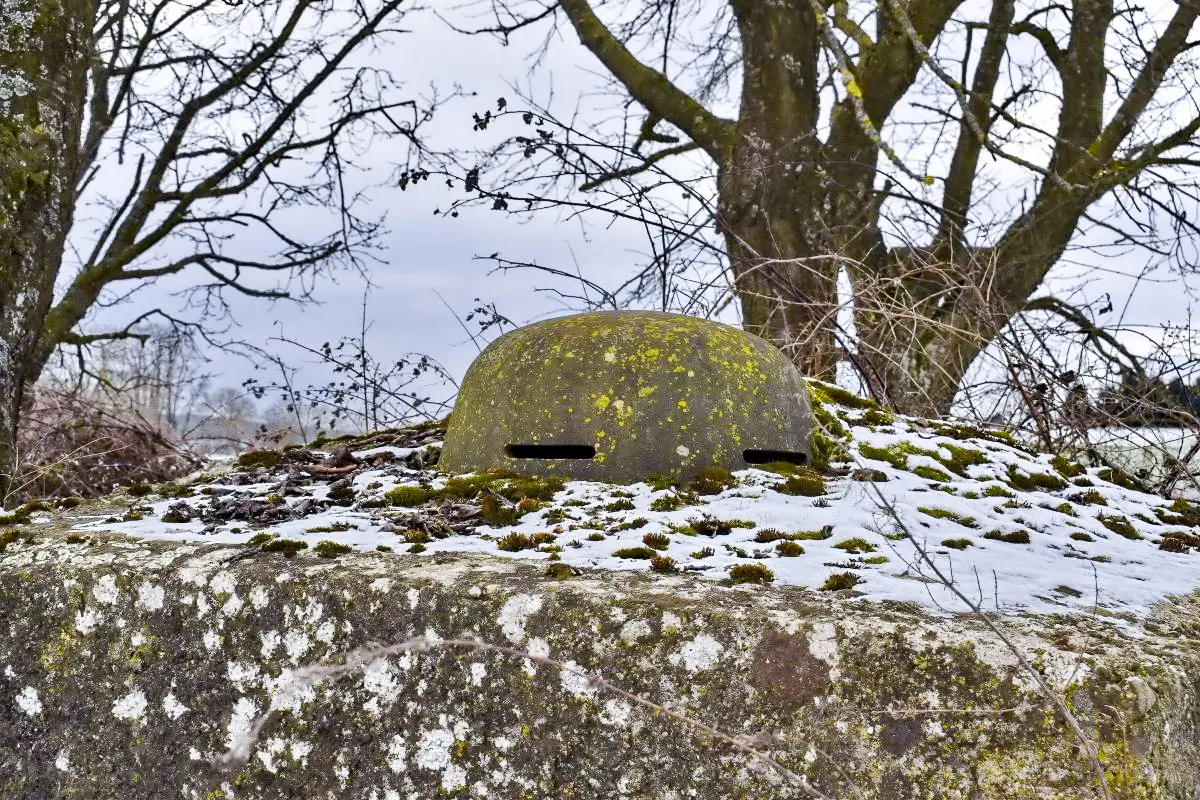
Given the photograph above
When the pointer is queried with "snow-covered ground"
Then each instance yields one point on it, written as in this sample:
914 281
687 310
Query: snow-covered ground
1074 544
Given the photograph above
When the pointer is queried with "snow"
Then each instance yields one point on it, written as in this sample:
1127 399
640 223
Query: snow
1073 563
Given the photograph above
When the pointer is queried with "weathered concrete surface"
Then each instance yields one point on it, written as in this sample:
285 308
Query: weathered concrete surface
126 667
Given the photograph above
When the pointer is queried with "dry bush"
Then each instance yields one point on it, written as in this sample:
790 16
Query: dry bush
72 445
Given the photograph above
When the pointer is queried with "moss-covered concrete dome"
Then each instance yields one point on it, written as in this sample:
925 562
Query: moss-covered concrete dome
622 395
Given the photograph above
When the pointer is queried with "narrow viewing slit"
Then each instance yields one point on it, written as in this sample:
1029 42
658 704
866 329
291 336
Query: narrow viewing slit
549 451
767 456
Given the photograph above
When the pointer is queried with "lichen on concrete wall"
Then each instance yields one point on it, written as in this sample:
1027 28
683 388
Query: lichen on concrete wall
128 669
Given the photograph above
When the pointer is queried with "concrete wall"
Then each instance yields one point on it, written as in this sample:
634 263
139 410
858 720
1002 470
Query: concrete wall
128 669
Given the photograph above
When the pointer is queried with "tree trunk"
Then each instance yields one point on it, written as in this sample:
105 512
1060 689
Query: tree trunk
43 75
771 189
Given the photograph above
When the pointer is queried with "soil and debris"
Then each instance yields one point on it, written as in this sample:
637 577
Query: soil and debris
1016 530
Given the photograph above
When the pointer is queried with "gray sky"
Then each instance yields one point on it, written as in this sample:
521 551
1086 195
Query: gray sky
429 255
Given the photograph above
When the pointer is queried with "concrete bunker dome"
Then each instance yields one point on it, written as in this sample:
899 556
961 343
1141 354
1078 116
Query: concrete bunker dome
620 396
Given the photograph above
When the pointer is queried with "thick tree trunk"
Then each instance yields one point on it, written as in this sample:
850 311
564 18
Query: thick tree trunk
43 74
771 189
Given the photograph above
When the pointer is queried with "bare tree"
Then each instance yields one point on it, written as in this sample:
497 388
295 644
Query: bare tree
146 139
945 155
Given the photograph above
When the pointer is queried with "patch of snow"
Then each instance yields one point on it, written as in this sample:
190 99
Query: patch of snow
1074 562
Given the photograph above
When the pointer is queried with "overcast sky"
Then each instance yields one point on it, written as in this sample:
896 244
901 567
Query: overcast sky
429 255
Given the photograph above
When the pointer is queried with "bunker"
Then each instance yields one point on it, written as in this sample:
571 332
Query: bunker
620 396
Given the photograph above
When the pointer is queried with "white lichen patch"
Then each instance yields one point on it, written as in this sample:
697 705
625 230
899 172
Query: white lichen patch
87 620
28 702
241 722
270 643
300 750
150 597
397 752
172 707
514 614
105 591
296 644
699 654
822 644
232 606
478 673
242 676
539 648
434 749
379 680
62 761
616 713
131 707
575 681
288 691
634 630
260 598
223 583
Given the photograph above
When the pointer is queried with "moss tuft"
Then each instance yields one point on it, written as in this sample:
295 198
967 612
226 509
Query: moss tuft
1066 467
712 480
931 473
945 513
750 573
805 483
855 545
656 541
1015 537
409 496
258 459
1033 481
789 549
840 581
1119 525
635 553
288 547
663 564
328 549
957 544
